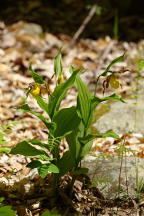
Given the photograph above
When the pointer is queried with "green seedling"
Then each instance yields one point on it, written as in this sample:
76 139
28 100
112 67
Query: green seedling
103 182
71 123
139 181
4 129
139 187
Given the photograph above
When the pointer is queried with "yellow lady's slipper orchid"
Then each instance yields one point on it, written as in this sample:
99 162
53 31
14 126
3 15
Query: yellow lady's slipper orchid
113 81
35 89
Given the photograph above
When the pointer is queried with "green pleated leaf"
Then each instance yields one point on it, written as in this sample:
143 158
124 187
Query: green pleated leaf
84 101
66 121
41 144
34 164
113 97
116 60
59 93
88 141
74 144
43 105
53 168
86 149
24 148
38 142
45 168
37 78
26 108
96 100
7 211
90 137
66 163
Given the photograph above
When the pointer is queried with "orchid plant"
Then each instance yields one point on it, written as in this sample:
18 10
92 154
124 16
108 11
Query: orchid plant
71 123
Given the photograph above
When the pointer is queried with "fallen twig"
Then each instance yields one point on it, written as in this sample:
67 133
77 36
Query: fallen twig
84 24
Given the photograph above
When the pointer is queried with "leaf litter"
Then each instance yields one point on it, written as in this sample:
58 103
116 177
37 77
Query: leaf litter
24 43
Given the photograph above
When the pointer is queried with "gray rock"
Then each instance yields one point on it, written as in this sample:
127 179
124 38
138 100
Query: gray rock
105 174
124 117
32 28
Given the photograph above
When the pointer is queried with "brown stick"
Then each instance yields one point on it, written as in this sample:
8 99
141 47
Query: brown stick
83 25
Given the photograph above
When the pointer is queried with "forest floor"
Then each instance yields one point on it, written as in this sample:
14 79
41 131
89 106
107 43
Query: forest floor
24 43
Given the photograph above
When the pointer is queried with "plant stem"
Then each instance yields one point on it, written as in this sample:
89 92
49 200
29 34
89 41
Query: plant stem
55 183
73 181
72 185
120 173
127 189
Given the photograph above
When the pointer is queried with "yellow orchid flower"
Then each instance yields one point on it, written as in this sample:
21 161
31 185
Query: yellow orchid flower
34 89
113 81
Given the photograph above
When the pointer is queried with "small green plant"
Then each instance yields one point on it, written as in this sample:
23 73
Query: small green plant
103 182
139 187
122 153
4 129
139 181
72 123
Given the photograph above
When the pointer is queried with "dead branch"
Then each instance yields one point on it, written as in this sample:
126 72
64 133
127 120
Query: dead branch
83 25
